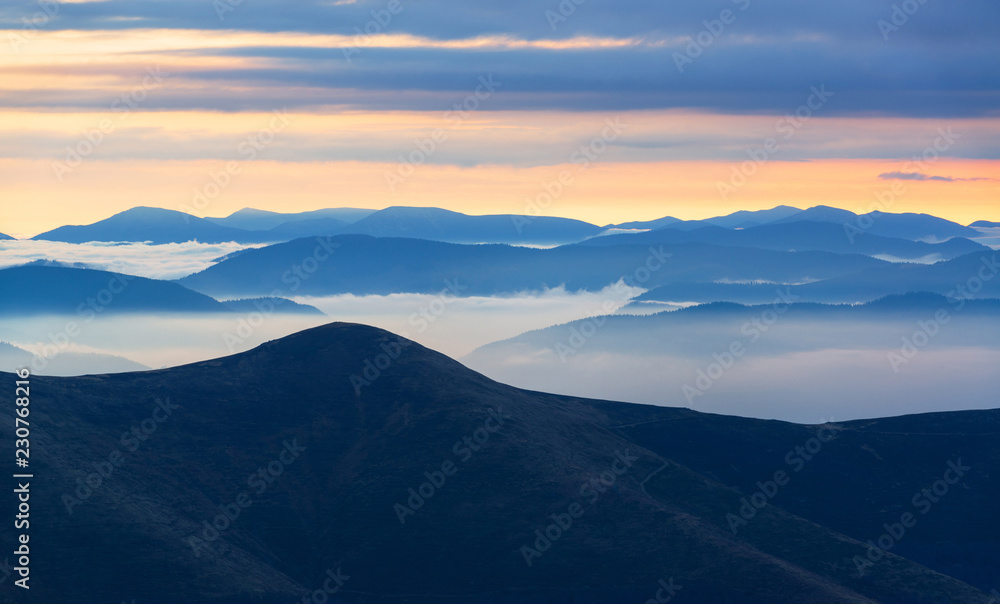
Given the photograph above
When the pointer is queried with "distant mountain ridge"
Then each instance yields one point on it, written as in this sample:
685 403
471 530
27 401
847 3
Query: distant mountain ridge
159 226
362 264
912 226
800 236
44 288
250 219
249 226
66 363
968 276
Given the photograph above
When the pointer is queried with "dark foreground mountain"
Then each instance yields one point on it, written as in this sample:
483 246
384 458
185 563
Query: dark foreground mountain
345 460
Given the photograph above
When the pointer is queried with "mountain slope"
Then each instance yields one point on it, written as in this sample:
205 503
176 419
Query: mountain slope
251 219
38 289
917 227
306 228
156 225
453 227
506 462
67 363
801 236
744 218
366 265
967 276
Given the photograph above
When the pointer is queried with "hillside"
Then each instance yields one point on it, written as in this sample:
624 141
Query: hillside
341 457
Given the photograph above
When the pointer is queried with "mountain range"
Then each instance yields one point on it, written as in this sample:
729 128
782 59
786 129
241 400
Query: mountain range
44 289
158 226
345 460
799 236
968 276
698 331
250 219
367 265
67 363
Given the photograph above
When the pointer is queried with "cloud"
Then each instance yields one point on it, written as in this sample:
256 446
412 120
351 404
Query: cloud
170 261
922 176
603 56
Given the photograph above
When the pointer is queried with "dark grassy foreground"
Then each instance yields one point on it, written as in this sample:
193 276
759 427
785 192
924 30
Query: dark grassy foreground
343 454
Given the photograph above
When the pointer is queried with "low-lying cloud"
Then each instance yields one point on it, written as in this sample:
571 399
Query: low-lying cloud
922 176
167 261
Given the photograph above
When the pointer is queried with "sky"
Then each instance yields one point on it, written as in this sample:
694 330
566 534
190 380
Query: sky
597 110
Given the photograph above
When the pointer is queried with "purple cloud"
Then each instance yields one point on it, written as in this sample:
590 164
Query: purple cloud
921 176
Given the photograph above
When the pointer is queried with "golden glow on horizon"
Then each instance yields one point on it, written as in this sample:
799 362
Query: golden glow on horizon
605 193
337 157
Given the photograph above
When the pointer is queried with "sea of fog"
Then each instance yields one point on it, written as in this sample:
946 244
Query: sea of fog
167 261
453 326
827 375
